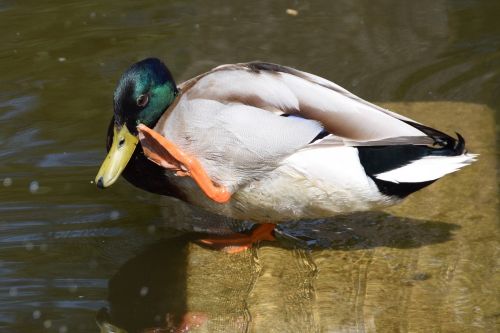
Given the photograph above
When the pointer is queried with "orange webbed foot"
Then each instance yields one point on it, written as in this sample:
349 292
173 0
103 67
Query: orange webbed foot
165 153
238 242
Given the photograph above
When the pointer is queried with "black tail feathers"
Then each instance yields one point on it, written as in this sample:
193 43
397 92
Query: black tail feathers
444 144
379 159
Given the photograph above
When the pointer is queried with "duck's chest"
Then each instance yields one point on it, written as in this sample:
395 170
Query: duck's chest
303 187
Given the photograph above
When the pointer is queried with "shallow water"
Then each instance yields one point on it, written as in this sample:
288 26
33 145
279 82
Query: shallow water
429 265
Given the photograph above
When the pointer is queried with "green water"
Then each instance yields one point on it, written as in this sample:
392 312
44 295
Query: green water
62 240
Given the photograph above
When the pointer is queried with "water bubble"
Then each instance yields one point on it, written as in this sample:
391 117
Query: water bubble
47 323
29 246
13 292
34 186
37 314
73 288
44 247
92 15
61 59
144 291
151 229
63 329
114 215
7 182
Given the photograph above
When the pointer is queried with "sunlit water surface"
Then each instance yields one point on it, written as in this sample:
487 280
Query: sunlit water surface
433 264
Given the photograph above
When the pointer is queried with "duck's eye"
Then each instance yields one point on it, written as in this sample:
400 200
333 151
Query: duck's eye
142 100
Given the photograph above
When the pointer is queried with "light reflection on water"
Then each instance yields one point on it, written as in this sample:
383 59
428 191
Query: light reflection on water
61 240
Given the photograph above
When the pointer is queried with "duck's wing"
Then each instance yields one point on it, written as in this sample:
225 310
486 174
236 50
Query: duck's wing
242 120
284 90
234 142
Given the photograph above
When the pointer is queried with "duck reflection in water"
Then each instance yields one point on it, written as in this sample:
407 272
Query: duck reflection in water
149 293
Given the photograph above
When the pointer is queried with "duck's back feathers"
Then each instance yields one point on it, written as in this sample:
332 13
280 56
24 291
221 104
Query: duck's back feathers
286 90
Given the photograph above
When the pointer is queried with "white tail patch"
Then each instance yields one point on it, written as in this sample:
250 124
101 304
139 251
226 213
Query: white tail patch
427 168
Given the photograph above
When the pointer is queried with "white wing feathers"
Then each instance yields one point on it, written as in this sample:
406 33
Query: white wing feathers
427 168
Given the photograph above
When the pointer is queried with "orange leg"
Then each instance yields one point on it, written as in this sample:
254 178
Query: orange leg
190 320
239 242
165 153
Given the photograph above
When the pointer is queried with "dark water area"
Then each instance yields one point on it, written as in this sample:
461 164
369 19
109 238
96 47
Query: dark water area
62 240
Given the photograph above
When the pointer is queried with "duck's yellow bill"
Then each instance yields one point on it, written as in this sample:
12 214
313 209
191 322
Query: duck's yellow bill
119 154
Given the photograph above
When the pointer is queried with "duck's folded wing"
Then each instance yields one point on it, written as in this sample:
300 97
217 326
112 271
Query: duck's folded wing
242 120
285 90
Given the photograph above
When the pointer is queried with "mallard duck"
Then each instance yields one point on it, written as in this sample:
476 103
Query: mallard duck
265 142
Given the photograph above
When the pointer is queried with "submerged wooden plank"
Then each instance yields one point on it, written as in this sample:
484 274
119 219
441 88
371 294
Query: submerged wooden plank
428 265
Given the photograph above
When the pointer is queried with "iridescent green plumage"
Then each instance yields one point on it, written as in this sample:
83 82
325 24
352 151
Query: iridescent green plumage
151 80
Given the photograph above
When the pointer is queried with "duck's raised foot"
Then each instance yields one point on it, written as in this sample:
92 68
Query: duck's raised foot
238 242
165 153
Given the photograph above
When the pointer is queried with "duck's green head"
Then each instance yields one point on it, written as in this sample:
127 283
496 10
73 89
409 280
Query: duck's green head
143 94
